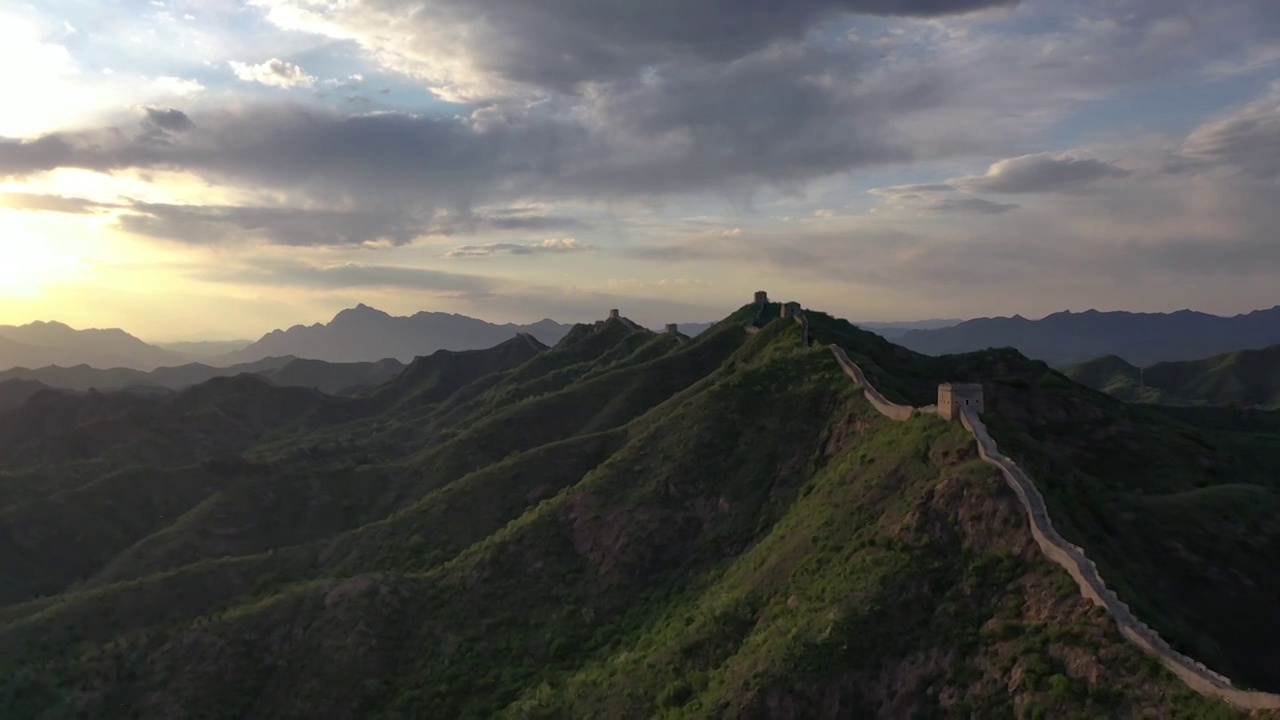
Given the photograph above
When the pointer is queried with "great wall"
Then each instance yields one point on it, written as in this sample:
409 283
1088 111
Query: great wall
1056 548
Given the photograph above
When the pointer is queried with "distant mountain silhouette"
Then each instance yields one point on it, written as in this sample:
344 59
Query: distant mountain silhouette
893 330
205 348
52 343
1139 338
364 334
332 378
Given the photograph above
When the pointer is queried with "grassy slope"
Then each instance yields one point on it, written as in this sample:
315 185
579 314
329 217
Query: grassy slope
690 528
1247 377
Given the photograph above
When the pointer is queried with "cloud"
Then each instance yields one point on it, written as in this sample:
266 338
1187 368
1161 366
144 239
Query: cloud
1041 173
672 102
911 192
969 205
36 202
554 246
176 86
1247 139
209 224
170 119
472 50
276 273
304 226
273 72
713 131
931 198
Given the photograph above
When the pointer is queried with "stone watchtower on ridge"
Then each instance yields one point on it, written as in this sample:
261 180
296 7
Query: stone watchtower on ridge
762 297
790 309
672 329
613 315
954 397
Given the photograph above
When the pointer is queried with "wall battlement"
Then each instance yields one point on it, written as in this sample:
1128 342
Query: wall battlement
953 398
1056 548
788 310
761 302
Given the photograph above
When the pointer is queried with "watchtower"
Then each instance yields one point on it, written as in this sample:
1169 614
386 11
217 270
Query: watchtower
954 397
613 315
762 297
790 309
672 329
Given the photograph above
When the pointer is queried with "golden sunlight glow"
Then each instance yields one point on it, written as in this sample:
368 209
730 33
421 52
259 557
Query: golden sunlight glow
34 252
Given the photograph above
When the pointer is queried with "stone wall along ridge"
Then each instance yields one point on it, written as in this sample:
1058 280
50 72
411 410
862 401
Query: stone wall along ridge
886 408
1071 557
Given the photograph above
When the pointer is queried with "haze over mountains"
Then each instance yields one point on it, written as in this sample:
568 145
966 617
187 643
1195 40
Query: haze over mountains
1139 338
39 344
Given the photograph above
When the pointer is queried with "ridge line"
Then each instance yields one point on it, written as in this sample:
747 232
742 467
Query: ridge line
1071 557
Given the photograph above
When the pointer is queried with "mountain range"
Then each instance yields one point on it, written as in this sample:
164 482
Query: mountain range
332 378
1248 378
364 334
627 524
1140 338
52 343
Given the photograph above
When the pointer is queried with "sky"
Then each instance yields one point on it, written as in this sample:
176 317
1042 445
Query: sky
206 170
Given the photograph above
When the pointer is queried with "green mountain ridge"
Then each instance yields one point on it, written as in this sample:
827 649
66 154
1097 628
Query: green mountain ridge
627 524
1247 378
332 378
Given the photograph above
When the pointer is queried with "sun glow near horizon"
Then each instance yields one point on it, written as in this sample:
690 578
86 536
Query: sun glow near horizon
36 252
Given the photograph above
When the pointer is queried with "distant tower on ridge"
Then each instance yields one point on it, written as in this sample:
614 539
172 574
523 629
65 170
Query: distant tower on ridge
954 397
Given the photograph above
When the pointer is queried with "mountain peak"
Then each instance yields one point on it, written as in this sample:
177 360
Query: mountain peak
360 312
366 334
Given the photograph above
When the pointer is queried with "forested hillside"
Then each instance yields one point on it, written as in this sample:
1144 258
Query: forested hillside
1248 378
627 524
